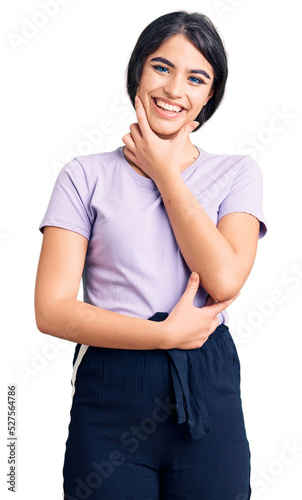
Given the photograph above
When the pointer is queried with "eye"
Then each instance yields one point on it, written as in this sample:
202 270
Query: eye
160 69
195 80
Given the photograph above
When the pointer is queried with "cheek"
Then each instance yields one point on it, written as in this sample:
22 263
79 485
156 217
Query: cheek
147 84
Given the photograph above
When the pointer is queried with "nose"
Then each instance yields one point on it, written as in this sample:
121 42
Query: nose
174 88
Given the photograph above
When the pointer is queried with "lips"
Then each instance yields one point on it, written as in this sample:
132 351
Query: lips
166 106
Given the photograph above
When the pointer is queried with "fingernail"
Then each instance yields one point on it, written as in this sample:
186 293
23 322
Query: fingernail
194 276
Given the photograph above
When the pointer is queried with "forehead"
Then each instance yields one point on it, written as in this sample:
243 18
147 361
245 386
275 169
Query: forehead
182 53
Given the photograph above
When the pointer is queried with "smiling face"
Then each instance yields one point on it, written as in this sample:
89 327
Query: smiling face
175 84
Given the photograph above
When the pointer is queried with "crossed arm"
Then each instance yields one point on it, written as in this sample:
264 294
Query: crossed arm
221 256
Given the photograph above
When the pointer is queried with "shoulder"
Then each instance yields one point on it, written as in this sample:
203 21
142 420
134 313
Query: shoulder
226 161
96 162
92 168
229 166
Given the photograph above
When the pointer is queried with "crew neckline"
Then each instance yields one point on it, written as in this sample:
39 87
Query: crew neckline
146 180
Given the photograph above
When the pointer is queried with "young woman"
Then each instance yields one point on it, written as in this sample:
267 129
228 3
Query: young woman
164 236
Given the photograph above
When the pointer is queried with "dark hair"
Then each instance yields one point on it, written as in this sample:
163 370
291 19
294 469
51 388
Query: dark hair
201 32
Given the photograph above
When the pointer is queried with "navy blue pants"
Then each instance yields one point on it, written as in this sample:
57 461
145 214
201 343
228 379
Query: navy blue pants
157 425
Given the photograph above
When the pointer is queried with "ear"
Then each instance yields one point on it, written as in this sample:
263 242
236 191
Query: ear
209 97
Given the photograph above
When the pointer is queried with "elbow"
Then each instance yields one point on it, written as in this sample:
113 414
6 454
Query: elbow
223 287
42 325
54 318
45 317
223 295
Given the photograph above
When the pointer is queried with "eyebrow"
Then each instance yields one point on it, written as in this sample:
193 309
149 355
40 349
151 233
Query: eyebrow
169 63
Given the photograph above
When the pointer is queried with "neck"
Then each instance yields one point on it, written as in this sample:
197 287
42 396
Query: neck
191 154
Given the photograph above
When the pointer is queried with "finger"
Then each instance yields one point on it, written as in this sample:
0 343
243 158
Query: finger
129 154
189 127
128 140
192 287
142 117
135 131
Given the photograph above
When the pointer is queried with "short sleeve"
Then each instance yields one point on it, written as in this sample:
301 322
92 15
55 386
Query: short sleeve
246 193
69 205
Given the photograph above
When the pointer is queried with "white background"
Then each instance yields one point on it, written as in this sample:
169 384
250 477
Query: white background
66 79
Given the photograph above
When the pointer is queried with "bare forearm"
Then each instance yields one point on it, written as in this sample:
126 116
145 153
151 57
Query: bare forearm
202 245
90 325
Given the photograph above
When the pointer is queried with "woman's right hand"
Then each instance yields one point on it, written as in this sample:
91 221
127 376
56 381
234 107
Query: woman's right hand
187 326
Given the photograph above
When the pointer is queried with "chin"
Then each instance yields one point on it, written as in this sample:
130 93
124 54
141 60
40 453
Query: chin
165 131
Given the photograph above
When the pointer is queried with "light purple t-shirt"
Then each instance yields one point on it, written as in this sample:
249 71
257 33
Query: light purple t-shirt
133 264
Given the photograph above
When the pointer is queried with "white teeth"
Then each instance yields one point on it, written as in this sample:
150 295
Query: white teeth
168 107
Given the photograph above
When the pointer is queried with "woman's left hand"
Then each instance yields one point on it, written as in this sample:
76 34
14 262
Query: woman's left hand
158 158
